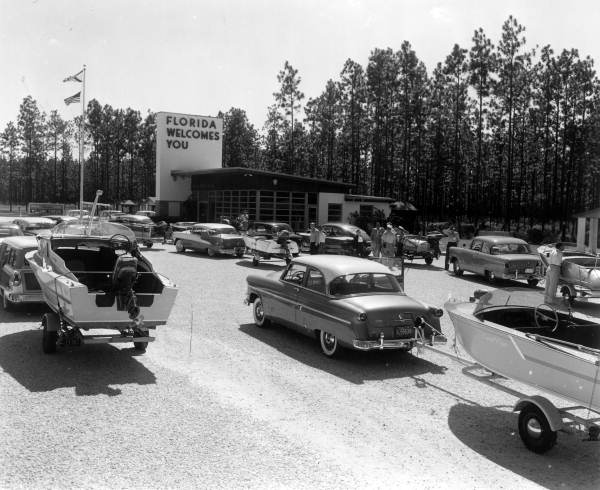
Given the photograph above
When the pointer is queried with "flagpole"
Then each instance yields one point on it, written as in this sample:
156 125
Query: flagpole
81 143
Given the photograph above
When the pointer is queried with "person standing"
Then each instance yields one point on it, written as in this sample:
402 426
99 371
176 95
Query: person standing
553 273
453 238
388 244
315 239
376 233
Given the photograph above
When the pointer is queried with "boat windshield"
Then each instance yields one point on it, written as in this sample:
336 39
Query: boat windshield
518 297
96 228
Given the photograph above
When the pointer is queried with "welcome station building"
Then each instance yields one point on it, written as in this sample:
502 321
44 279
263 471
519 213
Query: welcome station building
189 165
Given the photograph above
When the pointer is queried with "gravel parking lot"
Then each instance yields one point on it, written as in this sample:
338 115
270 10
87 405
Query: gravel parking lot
218 403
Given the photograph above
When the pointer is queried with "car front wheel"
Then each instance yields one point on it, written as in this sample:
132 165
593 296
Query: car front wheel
329 344
260 319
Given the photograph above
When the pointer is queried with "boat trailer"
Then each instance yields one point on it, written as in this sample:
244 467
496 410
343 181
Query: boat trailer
539 418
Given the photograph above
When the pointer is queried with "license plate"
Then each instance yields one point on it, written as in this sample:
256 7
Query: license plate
529 271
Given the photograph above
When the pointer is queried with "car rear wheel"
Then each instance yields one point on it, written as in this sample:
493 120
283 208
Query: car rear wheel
258 310
532 282
239 253
329 344
490 277
211 252
429 260
567 295
179 248
456 268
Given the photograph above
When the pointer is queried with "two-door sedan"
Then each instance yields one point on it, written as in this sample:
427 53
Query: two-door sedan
345 302
212 238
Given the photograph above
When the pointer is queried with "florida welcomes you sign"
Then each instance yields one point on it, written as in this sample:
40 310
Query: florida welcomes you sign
185 142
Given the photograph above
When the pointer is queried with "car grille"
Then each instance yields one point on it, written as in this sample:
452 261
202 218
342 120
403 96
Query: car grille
31 282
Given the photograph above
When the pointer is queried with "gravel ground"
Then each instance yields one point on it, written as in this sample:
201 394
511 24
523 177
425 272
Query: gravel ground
218 403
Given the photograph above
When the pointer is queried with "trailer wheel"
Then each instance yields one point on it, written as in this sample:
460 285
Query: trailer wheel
535 430
50 326
567 295
456 268
179 248
139 346
6 303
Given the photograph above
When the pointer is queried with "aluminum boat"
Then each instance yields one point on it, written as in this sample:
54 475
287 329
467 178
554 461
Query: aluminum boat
550 347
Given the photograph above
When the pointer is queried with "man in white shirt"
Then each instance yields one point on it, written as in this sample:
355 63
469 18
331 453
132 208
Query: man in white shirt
553 273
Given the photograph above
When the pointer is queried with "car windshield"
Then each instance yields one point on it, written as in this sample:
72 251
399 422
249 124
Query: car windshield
364 283
509 248
225 230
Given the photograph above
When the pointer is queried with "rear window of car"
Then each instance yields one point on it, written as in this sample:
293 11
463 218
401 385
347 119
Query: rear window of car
364 283
509 248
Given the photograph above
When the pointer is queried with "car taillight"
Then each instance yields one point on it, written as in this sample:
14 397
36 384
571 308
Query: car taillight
15 280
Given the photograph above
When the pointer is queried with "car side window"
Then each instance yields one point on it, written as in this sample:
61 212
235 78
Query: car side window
11 255
485 248
3 255
295 274
476 245
315 281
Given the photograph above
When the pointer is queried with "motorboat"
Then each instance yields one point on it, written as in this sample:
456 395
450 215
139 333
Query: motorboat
93 276
513 333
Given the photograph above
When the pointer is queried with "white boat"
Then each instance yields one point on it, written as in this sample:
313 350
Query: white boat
266 248
93 276
514 334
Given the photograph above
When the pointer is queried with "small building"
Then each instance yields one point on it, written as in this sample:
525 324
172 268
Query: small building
266 196
589 231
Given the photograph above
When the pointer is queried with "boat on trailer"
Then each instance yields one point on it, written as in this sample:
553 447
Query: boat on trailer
554 348
98 285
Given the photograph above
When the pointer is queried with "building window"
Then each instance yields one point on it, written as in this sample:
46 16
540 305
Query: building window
334 212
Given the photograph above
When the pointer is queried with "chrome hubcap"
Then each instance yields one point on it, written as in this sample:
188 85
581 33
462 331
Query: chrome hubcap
534 429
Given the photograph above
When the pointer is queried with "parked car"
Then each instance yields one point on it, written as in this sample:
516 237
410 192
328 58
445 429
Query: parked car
212 238
76 213
144 228
110 214
32 225
345 239
346 302
17 282
182 225
59 218
145 212
10 229
497 257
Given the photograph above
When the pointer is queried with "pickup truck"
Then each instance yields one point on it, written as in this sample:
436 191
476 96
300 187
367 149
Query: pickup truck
496 257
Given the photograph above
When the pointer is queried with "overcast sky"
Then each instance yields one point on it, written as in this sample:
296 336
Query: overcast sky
199 57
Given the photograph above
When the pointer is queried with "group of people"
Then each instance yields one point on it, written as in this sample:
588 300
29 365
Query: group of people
384 241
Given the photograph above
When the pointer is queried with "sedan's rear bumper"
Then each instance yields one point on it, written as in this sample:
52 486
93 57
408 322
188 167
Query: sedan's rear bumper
382 343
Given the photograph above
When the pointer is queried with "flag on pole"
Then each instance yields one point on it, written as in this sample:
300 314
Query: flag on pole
74 78
73 99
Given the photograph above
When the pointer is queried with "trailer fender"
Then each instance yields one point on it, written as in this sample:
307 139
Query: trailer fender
547 408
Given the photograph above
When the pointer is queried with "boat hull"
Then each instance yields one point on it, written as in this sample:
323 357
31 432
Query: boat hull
80 307
556 369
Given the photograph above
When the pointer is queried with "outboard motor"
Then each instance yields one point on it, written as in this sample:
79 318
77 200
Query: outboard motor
124 276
